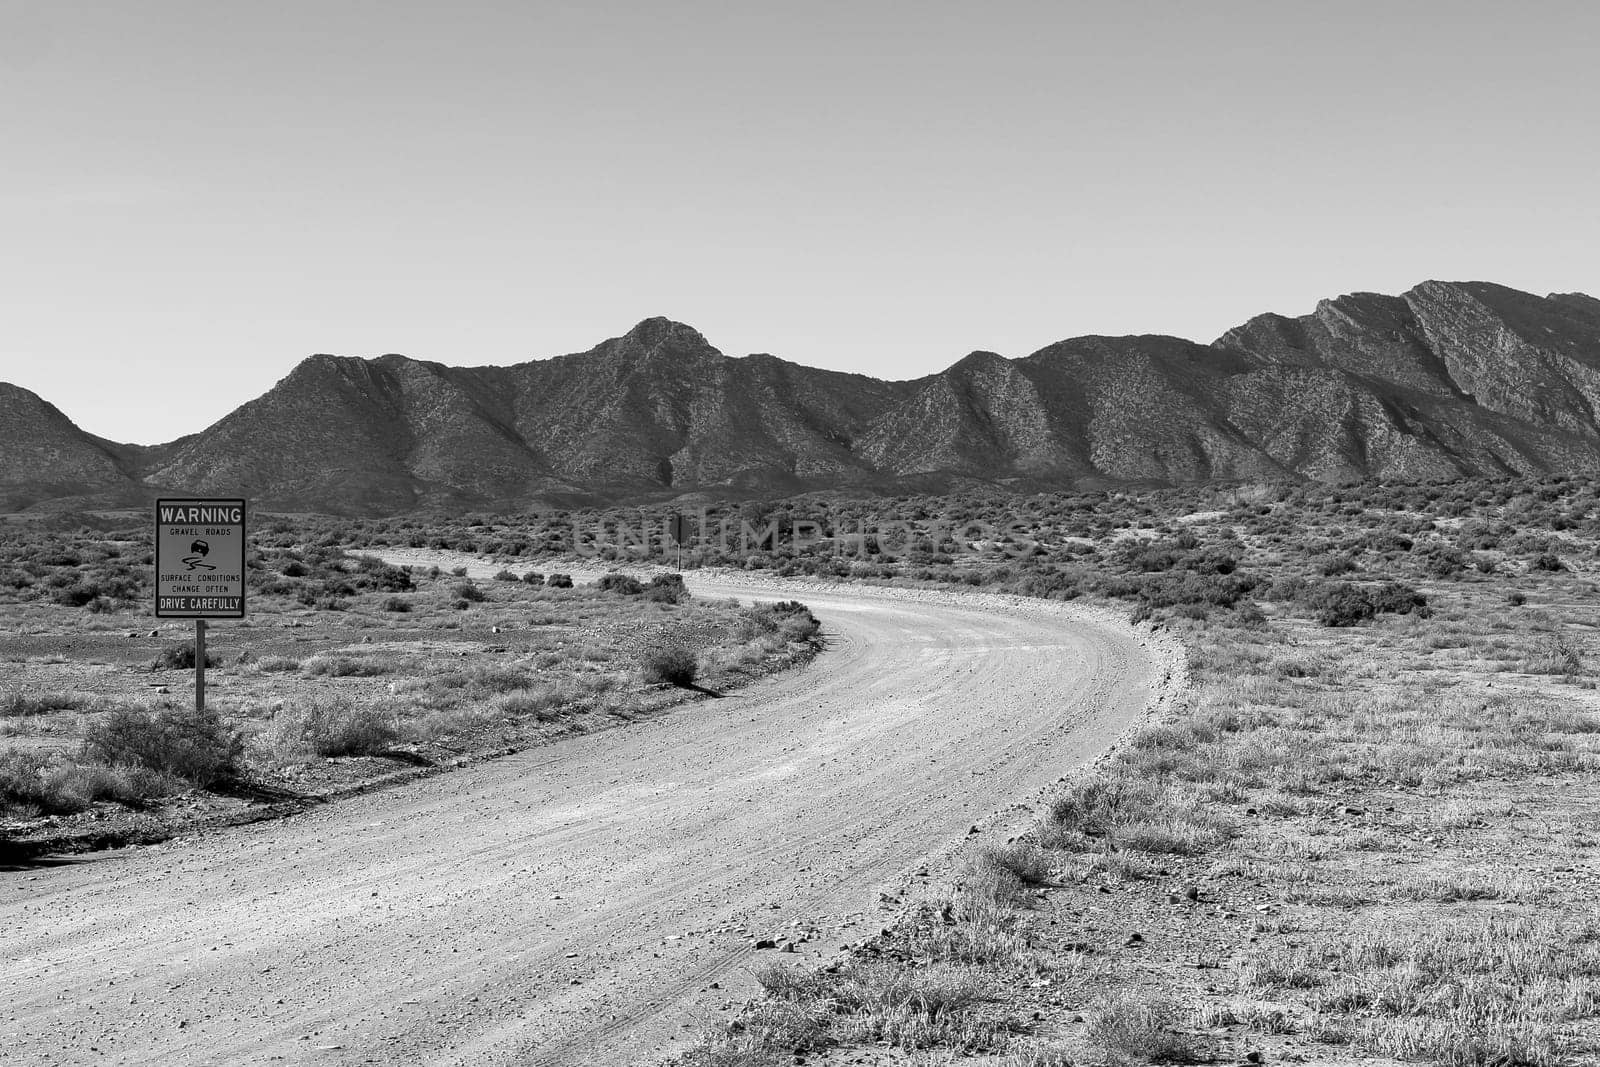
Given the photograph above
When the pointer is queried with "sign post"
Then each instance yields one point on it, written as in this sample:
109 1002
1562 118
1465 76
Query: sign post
679 525
200 568
199 665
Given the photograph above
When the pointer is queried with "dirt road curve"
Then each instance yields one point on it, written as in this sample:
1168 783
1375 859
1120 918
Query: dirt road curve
574 904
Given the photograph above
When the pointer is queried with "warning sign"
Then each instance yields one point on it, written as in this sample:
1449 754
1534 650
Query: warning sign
200 559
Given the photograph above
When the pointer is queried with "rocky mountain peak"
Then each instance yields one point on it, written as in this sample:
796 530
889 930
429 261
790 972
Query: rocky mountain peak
1446 379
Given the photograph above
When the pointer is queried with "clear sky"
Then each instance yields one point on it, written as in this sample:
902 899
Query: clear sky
196 196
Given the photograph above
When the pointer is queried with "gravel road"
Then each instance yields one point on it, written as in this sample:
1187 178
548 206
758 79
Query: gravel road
595 901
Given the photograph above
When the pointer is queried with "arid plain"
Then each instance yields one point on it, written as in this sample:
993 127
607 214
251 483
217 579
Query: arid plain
1308 776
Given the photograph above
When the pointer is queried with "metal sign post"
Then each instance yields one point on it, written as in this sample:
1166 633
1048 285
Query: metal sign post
200 568
199 665
679 526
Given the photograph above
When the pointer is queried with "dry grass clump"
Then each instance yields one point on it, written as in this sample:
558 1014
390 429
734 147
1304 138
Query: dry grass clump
931 1007
33 784
182 742
333 665
788 618
19 703
1115 811
542 700
1130 1029
1457 987
333 725
1027 863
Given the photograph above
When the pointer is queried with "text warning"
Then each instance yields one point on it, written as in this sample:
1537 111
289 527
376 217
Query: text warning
200 559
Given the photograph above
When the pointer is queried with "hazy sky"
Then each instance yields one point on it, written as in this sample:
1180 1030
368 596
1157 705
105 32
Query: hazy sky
195 196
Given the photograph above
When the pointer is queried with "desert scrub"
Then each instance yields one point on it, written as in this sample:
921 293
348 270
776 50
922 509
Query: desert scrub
41 784
180 657
1026 863
1123 811
670 662
333 726
19 703
621 584
1132 1030
909 1009
788 619
183 742
339 666
468 592
1454 986
667 589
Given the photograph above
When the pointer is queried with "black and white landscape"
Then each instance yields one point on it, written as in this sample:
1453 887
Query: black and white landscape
875 677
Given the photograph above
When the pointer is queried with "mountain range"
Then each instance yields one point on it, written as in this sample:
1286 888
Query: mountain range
1450 379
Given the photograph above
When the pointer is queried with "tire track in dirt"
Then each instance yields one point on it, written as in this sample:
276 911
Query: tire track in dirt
572 904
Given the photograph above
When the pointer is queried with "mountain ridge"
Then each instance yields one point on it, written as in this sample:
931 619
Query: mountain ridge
1449 379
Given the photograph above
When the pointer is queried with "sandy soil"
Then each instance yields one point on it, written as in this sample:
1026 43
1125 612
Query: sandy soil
597 900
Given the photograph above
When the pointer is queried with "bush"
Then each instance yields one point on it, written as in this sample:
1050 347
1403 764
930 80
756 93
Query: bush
189 744
397 604
619 583
533 578
788 617
1130 1030
1340 604
667 589
559 581
336 666
506 576
20 703
469 592
337 727
672 663
1344 604
77 596
34 782
1026 863
180 658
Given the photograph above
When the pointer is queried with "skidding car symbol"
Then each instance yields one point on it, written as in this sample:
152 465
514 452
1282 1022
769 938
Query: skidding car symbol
197 562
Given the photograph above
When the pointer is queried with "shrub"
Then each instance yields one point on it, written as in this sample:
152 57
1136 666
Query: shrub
180 658
335 666
469 592
20 703
667 589
670 662
1026 863
559 581
1344 604
36 782
78 595
397 604
614 582
788 617
533 578
189 744
1130 1030
336 727
506 576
